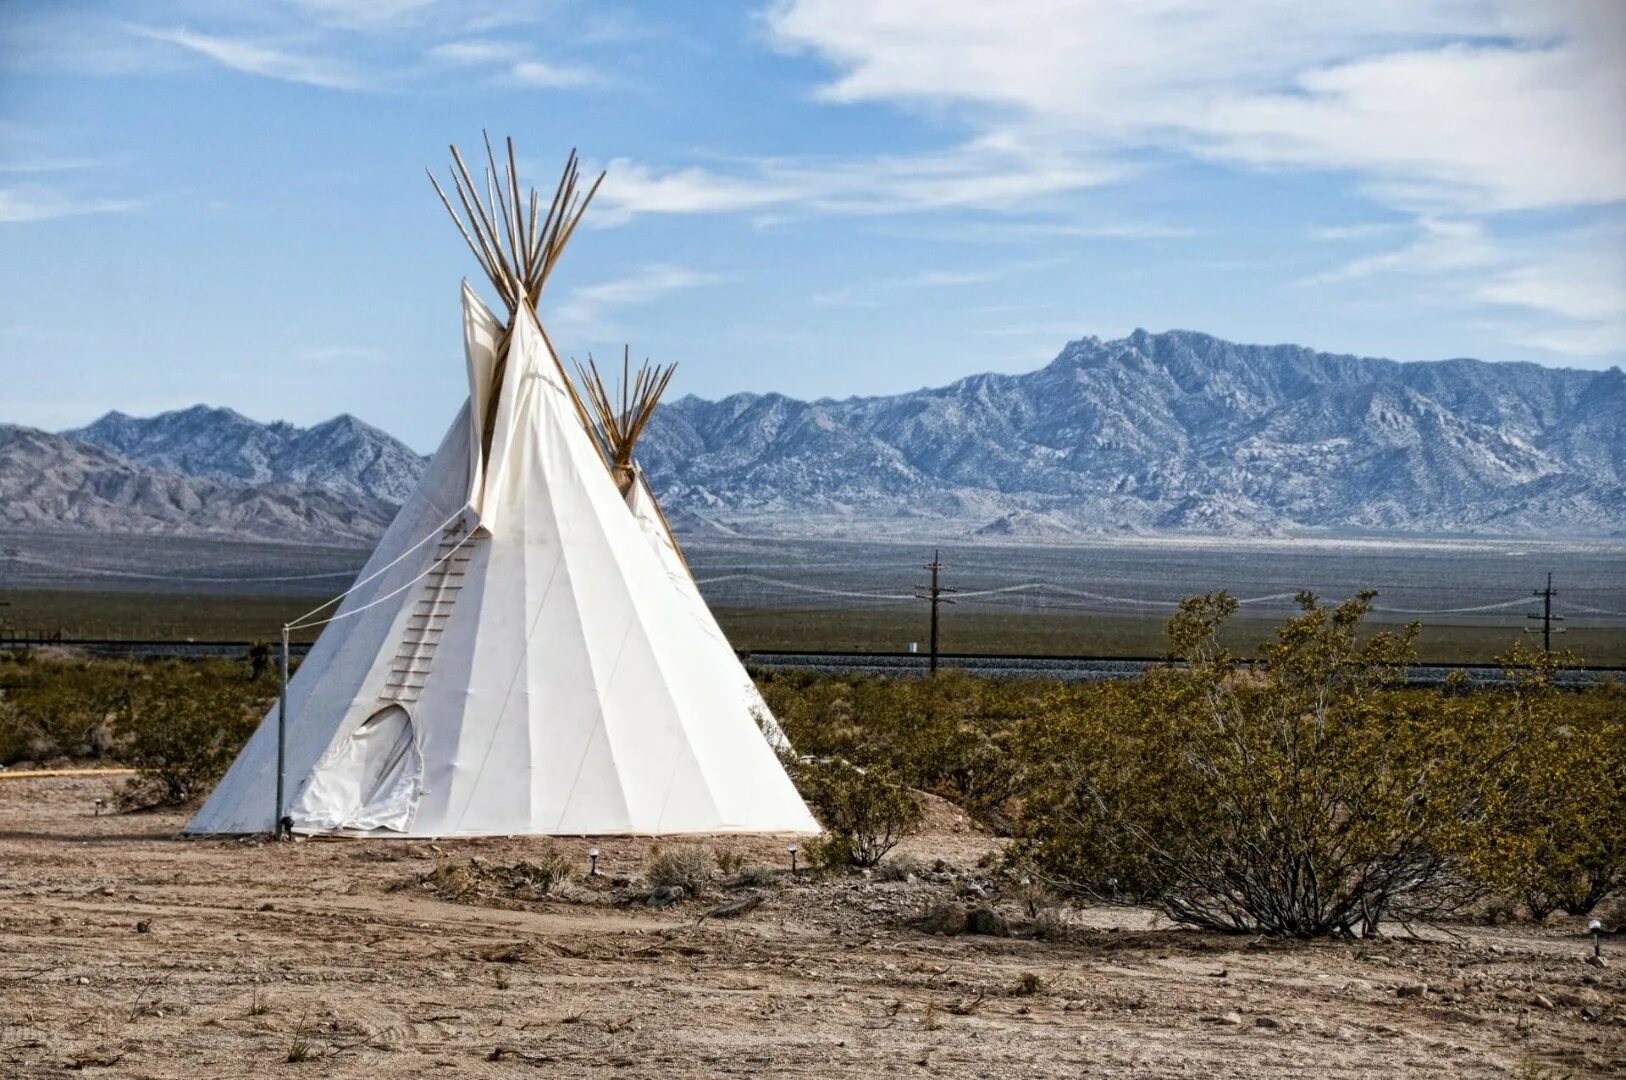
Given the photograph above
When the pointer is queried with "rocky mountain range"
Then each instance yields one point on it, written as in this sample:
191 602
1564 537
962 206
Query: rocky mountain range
342 455
1175 431
50 482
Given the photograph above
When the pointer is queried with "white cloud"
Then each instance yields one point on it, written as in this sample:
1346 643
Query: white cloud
254 58
33 203
477 52
515 63
631 188
869 294
585 309
1579 289
553 76
1353 232
1576 285
1409 94
328 355
361 14
1440 245
1568 290
994 173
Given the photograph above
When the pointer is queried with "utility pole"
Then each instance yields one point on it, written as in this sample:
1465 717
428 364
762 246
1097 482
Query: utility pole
934 592
1547 617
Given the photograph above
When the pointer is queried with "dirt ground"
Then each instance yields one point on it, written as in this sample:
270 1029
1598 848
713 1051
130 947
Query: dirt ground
338 954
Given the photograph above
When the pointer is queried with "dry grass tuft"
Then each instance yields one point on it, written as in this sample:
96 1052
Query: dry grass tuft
690 866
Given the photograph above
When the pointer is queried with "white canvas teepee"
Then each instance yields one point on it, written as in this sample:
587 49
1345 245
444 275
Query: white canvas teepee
515 658
620 425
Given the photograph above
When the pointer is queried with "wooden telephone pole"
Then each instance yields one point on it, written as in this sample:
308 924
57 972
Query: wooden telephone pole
934 592
1546 616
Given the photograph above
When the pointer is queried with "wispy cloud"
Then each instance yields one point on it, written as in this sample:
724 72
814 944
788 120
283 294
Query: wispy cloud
516 64
1338 233
553 76
258 58
585 309
1578 287
1512 105
341 354
34 203
872 293
365 14
477 52
1438 245
1569 290
985 174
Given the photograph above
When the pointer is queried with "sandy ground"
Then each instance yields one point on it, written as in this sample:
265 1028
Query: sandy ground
336 952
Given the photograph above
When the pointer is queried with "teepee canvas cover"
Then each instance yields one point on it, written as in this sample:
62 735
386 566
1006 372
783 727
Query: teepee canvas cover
516 658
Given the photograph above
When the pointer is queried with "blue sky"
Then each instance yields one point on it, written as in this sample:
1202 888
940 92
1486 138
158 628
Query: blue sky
226 203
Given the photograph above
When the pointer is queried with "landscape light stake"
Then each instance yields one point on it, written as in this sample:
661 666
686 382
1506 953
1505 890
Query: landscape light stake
592 859
1596 926
792 849
934 592
282 731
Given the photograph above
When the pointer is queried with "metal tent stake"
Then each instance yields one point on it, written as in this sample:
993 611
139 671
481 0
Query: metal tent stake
282 731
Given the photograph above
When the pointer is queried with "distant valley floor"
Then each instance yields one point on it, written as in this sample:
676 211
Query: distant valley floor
1106 598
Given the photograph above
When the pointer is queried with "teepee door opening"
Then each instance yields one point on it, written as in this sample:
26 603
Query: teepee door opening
382 758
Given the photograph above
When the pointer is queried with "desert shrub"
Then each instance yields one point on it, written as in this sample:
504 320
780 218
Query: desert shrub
900 868
182 726
14 740
753 877
541 876
546 874
944 735
865 811
728 861
690 866
1303 794
1559 840
60 708
828 852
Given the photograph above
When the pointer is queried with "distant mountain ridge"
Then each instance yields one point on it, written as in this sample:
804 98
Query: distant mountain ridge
1178 431
343 455
50 482
1175 431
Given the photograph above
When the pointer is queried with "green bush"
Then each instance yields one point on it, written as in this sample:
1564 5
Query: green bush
1559 840
865 811
1304 794
944 735
60 708
183 725
180 722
